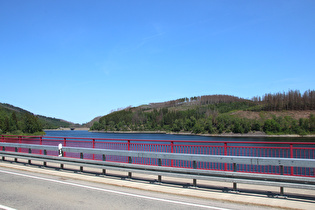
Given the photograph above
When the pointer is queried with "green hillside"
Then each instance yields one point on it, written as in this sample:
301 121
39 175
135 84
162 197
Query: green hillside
14 120
53 123
216 114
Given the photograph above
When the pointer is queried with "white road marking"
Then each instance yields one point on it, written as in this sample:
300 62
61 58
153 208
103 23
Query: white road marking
6 208
113 191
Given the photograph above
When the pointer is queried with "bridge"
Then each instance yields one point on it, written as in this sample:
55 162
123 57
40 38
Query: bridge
299 150
290 172
228 166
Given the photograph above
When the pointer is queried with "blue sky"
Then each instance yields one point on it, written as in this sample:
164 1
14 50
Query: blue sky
78 59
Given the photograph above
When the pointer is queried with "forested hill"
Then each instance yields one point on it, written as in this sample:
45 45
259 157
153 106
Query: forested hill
280 113
14 120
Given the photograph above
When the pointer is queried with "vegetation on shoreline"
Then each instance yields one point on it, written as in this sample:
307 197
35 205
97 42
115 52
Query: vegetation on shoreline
215 115
212 114
17 121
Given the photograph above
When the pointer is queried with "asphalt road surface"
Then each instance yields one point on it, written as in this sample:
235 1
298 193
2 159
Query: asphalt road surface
27 190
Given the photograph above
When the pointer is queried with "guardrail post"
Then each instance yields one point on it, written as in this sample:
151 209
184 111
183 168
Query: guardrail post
29 151
281 188
234 183
195 167
81 157
45 153
16 150
104 170
129 160
3 149
159 164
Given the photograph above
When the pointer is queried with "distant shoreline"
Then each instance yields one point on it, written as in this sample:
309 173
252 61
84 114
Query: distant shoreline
135 132
67 129
251 134
256 134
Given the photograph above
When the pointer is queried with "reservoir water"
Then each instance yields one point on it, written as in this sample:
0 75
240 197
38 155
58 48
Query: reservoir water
289 147
146 136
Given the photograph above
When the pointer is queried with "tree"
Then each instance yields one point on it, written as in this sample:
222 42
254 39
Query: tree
14 122
31 124
238 128
198 127
312 123
256 126
271 126
6 125
178 125
209 126
96 126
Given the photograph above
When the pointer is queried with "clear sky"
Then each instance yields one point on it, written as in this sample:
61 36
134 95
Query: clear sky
78 59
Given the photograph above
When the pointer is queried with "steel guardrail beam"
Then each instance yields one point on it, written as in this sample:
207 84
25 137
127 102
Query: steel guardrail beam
30 146
294 162
128 166
231 177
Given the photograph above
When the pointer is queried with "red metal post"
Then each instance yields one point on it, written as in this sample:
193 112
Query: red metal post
20 141
129 158
41 143
64 144
172 151
225 154
291 156
128 145
93 148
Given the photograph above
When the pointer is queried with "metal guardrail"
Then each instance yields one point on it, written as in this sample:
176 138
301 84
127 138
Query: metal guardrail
305 150
195 174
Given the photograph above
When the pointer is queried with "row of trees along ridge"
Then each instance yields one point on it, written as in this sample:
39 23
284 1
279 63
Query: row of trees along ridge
214 114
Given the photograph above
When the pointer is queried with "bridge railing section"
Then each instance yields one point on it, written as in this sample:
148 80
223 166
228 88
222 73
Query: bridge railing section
305 150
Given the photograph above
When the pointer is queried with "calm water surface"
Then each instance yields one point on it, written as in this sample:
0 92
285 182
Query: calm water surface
86 134
259 148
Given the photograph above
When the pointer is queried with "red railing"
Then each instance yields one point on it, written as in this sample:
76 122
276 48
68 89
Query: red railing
304 150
